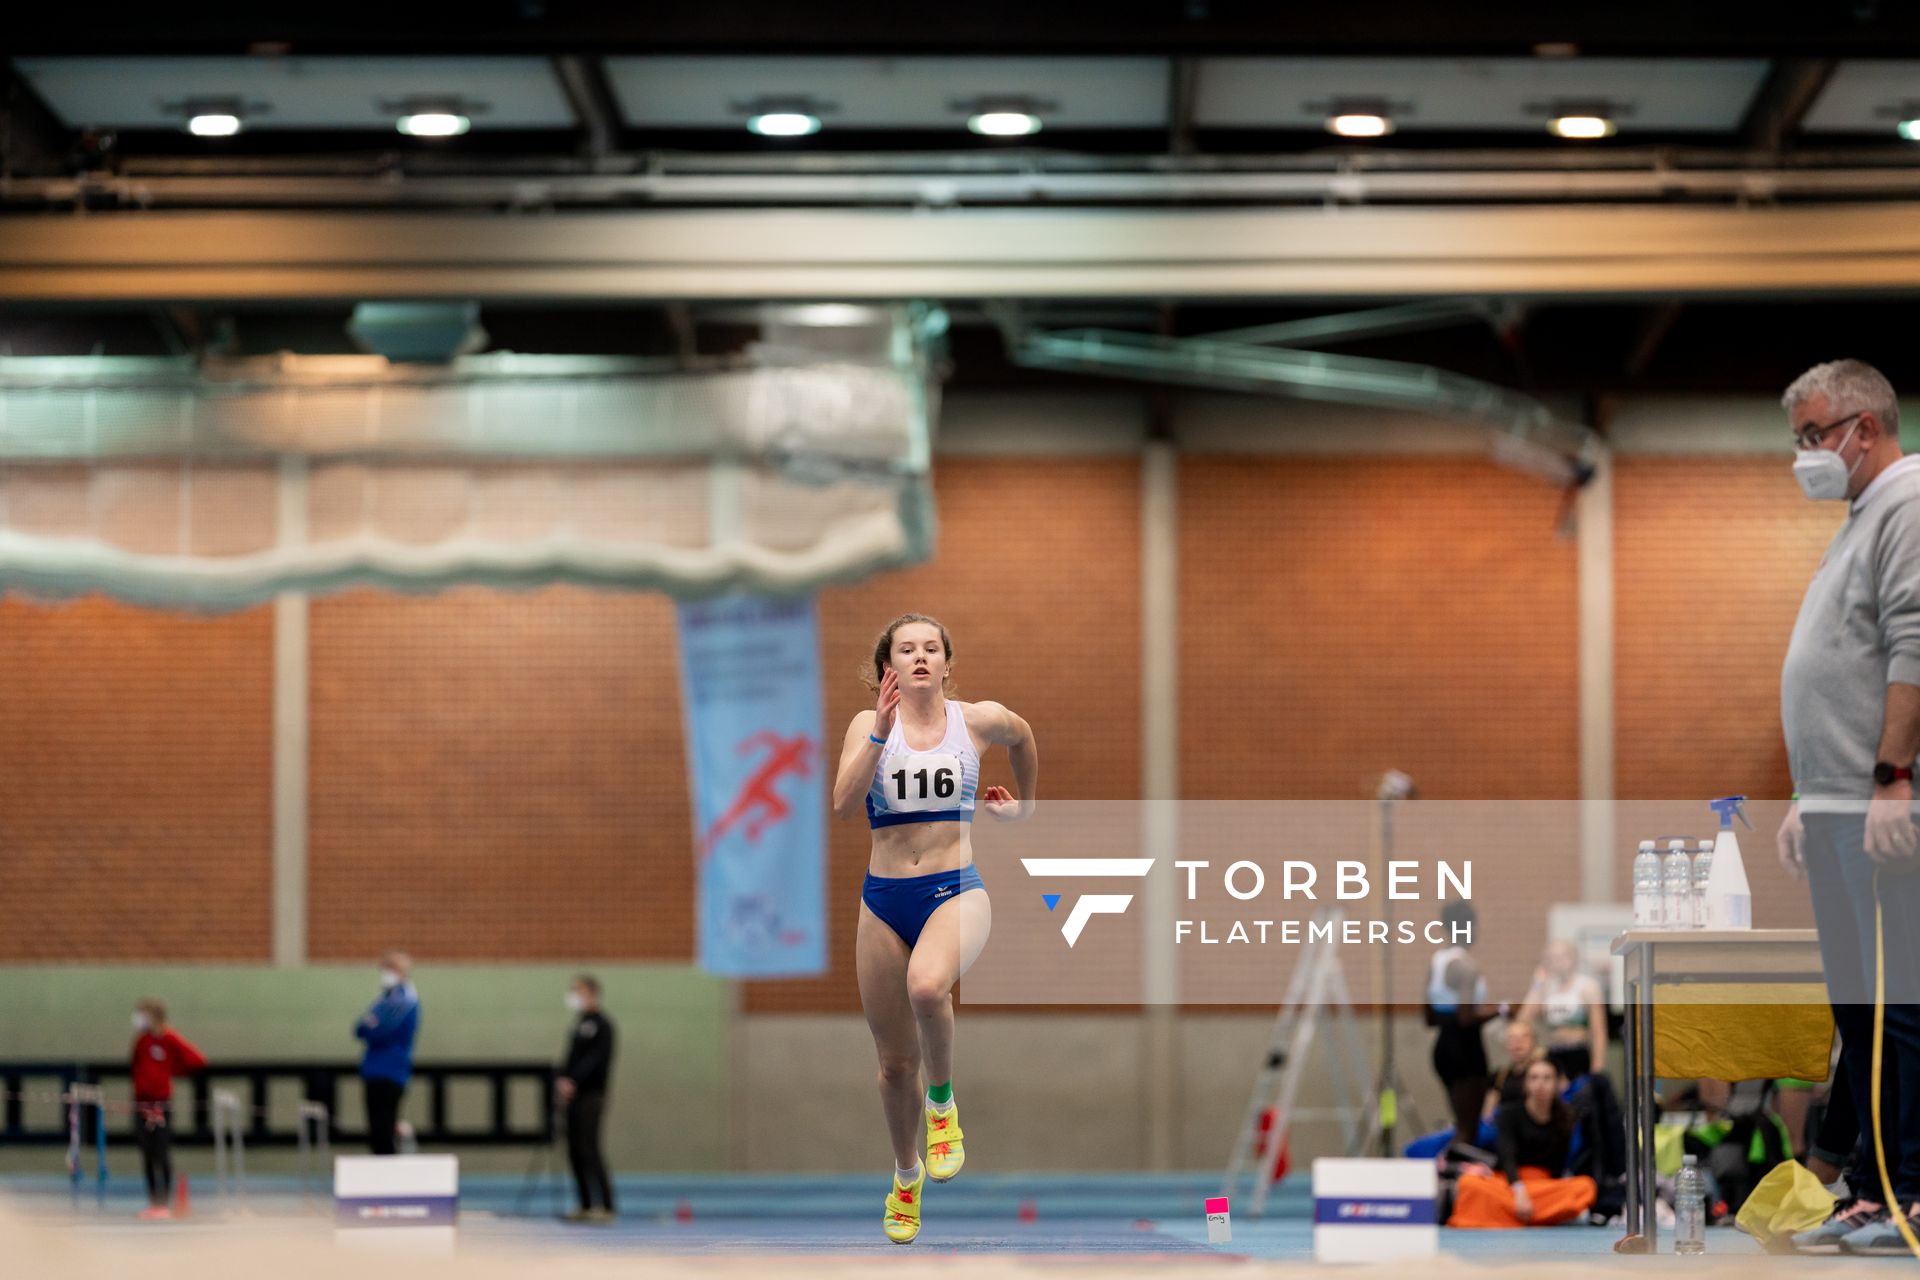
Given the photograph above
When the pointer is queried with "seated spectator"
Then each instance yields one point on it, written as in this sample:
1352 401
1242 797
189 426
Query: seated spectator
1504 1086
1600 1141
1738 1137
1529 1188
1509 1081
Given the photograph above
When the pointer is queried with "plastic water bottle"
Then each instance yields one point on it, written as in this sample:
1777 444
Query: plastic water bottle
1702 868
1677 898
1646 887
1690 1208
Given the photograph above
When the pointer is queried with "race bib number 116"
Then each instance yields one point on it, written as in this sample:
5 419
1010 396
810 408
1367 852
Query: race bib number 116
918 782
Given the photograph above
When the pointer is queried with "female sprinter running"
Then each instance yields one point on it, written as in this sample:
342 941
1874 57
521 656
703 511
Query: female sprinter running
924 916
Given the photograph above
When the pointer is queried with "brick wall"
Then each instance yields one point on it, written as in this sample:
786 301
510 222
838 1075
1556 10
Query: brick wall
498 775
1711 558
1341 618
135 783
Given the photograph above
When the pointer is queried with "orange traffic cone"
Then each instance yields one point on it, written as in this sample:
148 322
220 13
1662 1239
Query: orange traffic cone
182 1199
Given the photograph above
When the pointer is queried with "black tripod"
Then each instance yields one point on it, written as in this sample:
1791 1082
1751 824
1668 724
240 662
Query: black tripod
1388 1090
543 1171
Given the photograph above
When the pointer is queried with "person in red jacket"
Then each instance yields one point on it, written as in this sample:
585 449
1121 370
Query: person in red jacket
159 1054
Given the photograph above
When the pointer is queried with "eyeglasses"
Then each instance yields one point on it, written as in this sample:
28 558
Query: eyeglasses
1810 437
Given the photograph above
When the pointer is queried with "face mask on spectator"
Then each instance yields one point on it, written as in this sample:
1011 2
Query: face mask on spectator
575 1001
141 1021
1823 474
389 978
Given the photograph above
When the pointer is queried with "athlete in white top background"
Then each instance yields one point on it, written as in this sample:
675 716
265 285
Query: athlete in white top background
914 761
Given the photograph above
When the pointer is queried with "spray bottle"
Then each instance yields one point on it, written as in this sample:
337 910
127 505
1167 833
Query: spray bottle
1729 900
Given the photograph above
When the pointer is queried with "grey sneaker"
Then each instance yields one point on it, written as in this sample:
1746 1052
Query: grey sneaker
1882 1235
1848 1216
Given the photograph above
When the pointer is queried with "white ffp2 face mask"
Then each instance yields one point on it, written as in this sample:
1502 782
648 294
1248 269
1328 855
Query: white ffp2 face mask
574 1001
389 979
140 1022
1822 473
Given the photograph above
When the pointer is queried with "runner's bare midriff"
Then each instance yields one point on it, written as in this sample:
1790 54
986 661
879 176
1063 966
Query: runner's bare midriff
920 849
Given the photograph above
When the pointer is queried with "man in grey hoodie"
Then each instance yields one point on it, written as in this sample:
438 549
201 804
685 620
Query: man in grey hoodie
1850 708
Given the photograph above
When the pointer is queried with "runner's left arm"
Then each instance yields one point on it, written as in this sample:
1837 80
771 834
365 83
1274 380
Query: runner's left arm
1004 728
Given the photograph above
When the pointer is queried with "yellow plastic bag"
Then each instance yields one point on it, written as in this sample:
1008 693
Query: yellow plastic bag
1669 1146
1788 1200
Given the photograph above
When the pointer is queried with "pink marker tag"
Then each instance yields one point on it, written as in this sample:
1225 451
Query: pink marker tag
1219 1221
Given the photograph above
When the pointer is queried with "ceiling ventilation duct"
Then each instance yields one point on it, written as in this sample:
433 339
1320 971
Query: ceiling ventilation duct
221 484
1526 433
433 332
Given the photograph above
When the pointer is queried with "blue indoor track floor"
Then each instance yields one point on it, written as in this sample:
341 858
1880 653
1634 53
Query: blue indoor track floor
821 1224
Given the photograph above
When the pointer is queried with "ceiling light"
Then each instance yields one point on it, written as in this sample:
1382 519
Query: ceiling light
783 124
1003 115
433 124
221 117
1004 124
1582 126
1359 124
1349 116
1910 130
213 124
789 115
825 315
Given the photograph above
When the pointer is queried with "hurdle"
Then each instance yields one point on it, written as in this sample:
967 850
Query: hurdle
315 1122
229 1119
80 1096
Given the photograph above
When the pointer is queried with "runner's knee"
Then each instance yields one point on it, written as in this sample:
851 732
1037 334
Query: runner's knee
895 1067
928 992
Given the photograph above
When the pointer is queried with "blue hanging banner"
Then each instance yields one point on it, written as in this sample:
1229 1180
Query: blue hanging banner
750 686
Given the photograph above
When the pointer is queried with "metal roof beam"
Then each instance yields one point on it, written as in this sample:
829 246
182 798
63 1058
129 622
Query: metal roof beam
585 85
1785 97
939 190
1366 255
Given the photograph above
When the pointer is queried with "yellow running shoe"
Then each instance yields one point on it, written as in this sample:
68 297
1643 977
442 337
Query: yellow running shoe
902 1222
945 1150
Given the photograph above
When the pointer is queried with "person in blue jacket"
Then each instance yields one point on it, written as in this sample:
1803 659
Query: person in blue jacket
388 1027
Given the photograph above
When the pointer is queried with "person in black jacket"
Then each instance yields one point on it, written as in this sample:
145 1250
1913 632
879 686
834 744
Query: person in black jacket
582 1089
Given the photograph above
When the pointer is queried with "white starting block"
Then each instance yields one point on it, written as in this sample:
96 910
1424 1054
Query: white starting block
1375 1210
406 1202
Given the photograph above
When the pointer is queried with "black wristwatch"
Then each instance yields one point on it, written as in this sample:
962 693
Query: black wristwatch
1885 774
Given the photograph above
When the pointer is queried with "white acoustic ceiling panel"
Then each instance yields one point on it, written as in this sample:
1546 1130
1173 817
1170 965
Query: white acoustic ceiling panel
298 93
1866 96
890 93
1490 94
